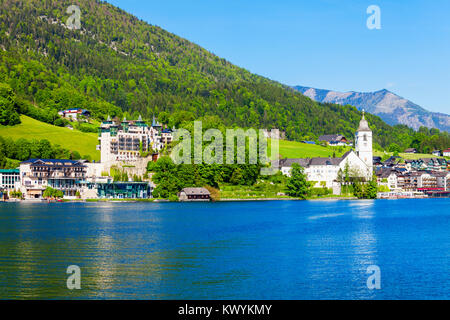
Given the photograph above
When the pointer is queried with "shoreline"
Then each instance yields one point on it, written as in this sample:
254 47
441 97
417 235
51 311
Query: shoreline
221 200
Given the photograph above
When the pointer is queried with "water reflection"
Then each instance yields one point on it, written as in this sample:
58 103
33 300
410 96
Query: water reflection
262 250
363 245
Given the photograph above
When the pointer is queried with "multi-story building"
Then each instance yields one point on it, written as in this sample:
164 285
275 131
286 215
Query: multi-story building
129 140
427 181
166 136
443 180
38 174
75 178
9 179
428 164
408 181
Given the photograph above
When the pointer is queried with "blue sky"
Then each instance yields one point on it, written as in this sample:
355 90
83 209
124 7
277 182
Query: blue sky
321 43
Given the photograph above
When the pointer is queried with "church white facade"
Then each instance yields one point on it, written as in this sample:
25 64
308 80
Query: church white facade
363 143
325 171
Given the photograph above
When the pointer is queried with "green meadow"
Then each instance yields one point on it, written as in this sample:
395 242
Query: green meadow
293 149
74 140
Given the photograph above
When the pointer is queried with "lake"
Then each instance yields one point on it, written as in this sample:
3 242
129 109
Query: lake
226 250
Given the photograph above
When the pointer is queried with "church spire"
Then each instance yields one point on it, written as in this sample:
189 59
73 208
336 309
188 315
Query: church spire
363 124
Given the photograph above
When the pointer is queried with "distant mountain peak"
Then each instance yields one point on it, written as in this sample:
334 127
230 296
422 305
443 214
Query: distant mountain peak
389 106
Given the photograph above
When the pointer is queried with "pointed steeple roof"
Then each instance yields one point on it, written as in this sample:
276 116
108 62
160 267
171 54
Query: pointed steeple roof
109 118
363 124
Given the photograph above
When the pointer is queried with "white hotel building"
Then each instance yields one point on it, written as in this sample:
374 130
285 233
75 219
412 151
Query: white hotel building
127 140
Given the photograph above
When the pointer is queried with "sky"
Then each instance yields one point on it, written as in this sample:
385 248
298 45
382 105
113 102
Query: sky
321 43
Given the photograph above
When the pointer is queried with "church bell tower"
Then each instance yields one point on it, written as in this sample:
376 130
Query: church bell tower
363 143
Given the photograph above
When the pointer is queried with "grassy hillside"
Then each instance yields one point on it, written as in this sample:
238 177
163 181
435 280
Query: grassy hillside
84 143
293 149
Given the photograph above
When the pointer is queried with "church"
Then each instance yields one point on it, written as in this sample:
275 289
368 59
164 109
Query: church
325 171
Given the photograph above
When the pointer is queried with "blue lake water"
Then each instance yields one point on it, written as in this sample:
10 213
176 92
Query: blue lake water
248 250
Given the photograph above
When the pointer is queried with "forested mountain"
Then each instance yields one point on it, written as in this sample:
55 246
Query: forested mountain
117 63
390 107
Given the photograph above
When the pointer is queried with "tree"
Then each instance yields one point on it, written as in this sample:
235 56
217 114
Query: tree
297 185
15 194
75 155
358 190
393 147
371 188
23 149
45 149
238 177
8 106
49 192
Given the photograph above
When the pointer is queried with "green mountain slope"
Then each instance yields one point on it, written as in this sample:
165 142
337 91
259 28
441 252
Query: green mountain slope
117 63
84 143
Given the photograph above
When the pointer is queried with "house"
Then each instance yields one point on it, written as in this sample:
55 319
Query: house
274 134
377 161
74 114
411 150
194 194
387 177
437 153
446 152
334 139
393 161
